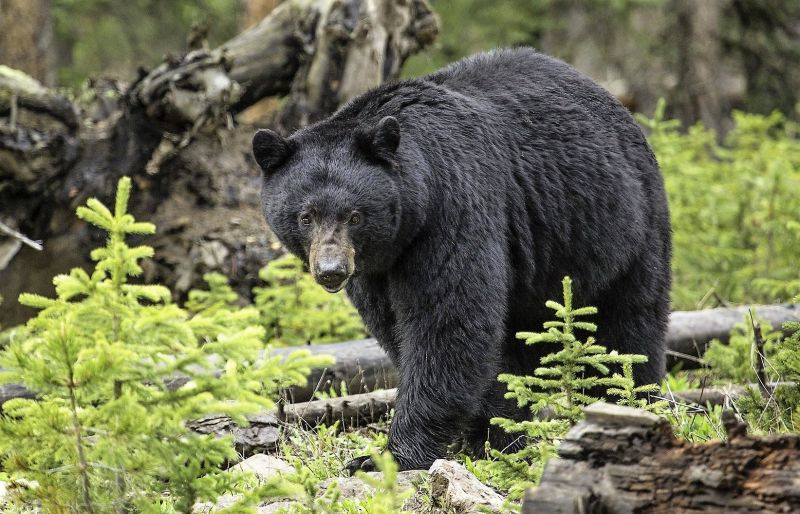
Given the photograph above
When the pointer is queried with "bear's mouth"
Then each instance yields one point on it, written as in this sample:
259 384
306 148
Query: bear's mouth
333 279
333 288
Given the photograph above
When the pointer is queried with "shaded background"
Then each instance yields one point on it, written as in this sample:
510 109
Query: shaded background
705 58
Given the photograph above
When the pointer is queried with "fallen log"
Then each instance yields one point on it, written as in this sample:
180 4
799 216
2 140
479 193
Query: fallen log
264 430
362 366
622 460
724 395
690 331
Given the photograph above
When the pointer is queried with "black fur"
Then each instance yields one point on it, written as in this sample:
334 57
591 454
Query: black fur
512 170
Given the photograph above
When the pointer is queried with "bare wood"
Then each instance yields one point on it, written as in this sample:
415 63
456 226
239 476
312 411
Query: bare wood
364 366
627 460
352 410
323 52
264 430
721 395
360 367
690 332
36 245
31 94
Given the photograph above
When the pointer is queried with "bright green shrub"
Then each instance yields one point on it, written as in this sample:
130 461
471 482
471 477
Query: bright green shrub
107 434
561 385
778 411
295 310
737 360
731 206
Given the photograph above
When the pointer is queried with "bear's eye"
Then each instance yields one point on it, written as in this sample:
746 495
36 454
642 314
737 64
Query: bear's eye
305 219
355 218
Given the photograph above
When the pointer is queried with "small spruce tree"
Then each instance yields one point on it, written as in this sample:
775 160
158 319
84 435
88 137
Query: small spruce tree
107 433
565 377
296 310
561 385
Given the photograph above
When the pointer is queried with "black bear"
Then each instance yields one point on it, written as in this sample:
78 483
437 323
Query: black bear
451 206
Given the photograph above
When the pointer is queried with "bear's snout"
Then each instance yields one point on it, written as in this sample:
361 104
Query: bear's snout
331 264
331 272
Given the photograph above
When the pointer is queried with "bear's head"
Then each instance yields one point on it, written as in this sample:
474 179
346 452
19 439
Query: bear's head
330 195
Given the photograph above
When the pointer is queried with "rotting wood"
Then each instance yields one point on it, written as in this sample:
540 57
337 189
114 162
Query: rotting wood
622 460
264 430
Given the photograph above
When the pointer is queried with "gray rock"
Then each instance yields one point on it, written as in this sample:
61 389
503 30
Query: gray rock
264 466
356 489
272 508
610 414
223 502
454 487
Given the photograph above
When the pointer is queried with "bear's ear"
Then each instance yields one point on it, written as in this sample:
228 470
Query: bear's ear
381 141
270 150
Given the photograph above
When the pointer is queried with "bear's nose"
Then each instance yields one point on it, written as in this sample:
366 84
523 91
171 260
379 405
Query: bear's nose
331 274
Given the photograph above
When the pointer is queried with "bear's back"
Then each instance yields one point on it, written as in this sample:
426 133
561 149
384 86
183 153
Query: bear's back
522 81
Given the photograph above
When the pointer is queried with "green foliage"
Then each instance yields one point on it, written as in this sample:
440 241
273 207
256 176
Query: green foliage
113 38
318 456
696 424
469 26
628 393
388 498
787 356
561 385
295 310
778 411
737 361
107 434
565 377
731 205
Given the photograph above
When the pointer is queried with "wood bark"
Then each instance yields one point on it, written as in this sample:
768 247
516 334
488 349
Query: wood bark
622 460
698 63
173 131
264 430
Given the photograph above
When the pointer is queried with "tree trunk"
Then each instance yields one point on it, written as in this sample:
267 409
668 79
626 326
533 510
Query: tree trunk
622 460
697 94
173 132
26 38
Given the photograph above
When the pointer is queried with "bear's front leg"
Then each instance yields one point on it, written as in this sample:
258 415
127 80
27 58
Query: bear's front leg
450 326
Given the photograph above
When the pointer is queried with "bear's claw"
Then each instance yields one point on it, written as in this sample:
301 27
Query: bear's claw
363 463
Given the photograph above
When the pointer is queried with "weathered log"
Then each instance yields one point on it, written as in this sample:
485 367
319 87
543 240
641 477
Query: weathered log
690 331
362 366
720 395
622 460
350 411
172 130
264 430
